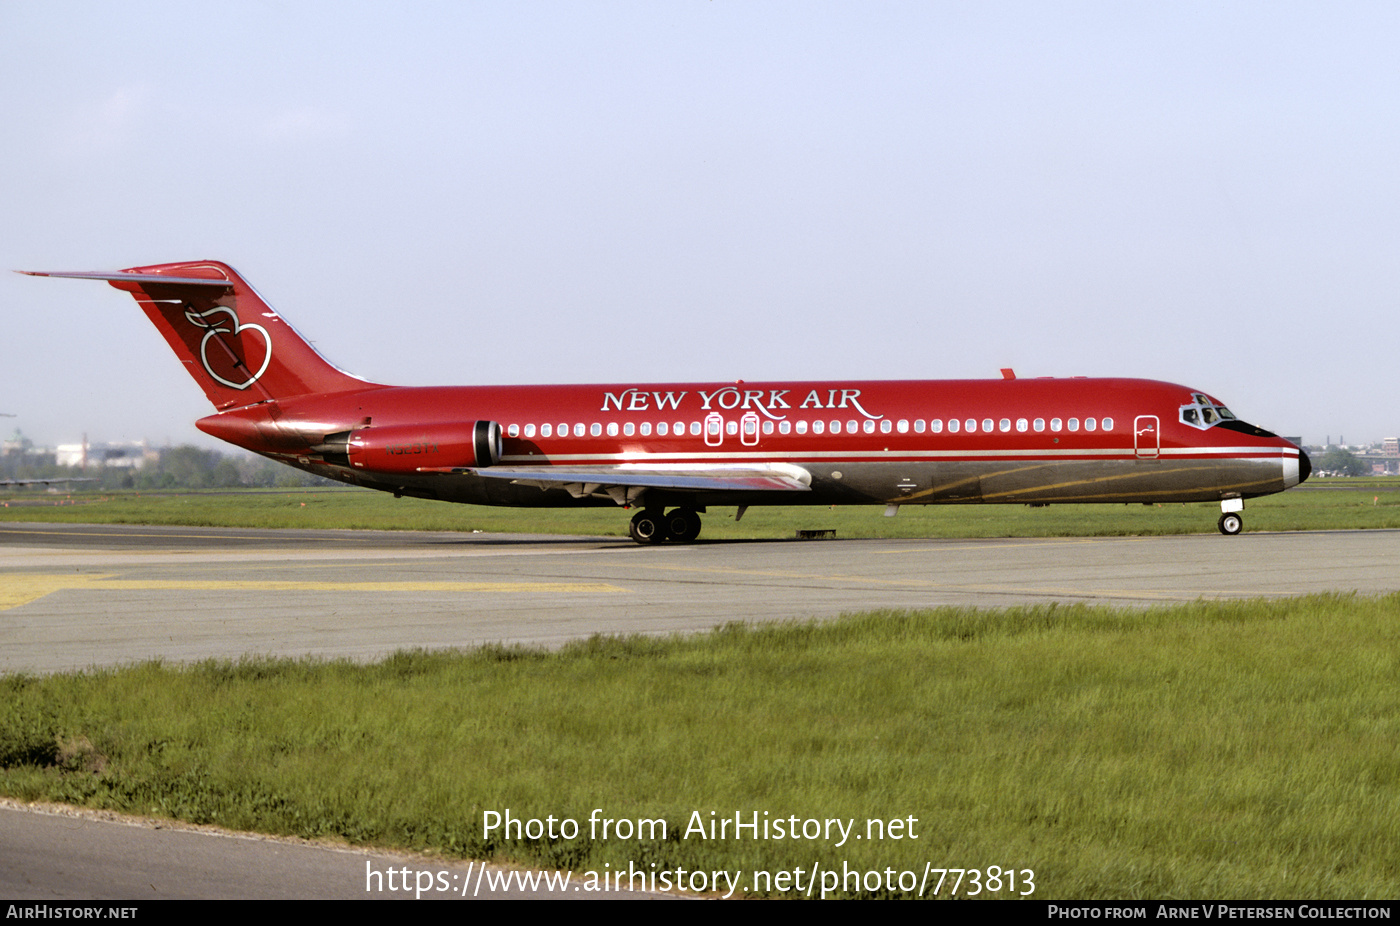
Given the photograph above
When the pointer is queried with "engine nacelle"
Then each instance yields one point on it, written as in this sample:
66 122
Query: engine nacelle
408 448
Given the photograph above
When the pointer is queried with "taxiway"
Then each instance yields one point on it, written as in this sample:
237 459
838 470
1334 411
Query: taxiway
73 596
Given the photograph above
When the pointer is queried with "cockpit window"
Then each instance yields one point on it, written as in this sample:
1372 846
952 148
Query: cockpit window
1203 412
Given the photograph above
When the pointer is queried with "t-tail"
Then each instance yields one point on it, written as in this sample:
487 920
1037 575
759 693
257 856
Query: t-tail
239 350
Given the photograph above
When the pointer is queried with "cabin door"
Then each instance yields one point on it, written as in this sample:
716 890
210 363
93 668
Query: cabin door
748 429
1147 437
714 429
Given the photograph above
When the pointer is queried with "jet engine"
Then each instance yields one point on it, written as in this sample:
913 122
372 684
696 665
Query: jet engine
409 448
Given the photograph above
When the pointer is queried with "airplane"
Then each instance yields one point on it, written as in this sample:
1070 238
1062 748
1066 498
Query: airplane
57 480
671 451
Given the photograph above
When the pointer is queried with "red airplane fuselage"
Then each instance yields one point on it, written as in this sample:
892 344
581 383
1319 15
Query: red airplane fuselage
687 446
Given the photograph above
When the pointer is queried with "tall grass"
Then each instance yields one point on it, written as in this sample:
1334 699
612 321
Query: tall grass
1217 749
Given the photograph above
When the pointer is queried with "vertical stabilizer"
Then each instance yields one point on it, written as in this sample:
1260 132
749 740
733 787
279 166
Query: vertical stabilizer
234 344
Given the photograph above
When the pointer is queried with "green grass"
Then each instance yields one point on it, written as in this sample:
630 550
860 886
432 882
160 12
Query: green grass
1218 749
1342 504
1238 749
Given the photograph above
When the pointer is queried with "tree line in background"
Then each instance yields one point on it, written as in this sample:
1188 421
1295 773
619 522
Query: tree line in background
182 467
1338 461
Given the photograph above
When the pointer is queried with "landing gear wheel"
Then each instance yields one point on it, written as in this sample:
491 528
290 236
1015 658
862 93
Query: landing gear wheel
683 525
647 527
1231 523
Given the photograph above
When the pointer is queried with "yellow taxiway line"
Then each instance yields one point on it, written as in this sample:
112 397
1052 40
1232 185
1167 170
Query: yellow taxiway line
19 589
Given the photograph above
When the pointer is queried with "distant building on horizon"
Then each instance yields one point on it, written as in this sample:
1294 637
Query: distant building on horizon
118 455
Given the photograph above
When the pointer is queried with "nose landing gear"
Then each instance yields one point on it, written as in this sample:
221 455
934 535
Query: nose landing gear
1231 521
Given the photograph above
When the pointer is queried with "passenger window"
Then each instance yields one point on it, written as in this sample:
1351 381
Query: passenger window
661 429
645 428
695 429
1004 424
1055 424
612 429
546 430
767 427
512 430
953 425
869 427
1022 424
731 428
784 427
971 425
801 427
887 426
595 429
1108 424
836 427
936 425
986 425
818 426
919 425
903 426
1074 424
1039 424
529 430
680 429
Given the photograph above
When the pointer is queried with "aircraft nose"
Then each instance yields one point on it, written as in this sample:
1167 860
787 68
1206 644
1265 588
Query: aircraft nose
1296 470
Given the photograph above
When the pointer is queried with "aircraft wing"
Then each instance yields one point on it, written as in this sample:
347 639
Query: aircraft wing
625 483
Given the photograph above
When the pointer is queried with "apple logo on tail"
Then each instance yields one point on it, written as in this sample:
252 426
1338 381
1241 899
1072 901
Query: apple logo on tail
231 326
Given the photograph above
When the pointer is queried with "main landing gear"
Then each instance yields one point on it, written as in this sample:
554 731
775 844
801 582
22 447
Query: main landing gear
651 525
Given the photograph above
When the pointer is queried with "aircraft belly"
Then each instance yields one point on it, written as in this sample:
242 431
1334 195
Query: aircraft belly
1128 481
1021 481
1011 481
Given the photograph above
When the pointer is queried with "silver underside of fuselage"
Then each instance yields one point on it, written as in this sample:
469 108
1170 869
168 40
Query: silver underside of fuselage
1017 481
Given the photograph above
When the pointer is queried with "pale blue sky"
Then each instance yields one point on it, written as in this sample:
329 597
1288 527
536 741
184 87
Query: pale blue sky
655 192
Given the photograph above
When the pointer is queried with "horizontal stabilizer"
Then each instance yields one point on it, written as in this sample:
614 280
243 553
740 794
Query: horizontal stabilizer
118 276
